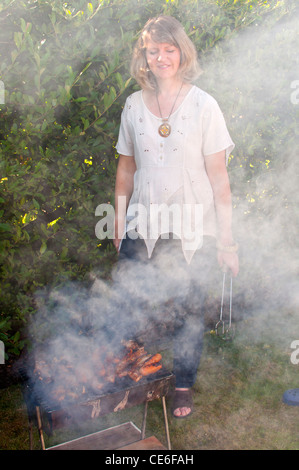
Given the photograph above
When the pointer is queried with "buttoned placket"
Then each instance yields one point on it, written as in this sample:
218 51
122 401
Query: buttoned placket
161 152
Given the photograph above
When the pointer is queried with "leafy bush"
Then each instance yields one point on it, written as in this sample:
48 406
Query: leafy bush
64 67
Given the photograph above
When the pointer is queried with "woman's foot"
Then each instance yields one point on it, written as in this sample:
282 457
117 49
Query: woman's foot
182 405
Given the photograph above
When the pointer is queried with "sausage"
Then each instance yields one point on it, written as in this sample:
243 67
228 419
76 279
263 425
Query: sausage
150 369
153 360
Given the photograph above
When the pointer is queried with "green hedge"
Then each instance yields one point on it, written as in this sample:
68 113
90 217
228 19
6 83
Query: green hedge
64 67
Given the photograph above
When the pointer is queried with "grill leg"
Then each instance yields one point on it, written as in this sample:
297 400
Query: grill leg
166 423
144 420
30 430
40 428
31 413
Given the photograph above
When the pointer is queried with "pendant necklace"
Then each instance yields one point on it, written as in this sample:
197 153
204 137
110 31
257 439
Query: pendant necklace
165 128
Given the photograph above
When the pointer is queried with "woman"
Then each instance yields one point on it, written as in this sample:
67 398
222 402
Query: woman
173 147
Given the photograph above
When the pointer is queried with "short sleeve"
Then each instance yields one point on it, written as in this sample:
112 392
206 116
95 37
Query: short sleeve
125 144
215 134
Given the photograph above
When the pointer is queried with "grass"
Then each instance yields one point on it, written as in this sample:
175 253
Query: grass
238 404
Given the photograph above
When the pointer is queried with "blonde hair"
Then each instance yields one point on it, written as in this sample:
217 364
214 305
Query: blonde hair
164 29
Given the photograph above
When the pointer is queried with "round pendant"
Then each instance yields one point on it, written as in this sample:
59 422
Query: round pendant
164 130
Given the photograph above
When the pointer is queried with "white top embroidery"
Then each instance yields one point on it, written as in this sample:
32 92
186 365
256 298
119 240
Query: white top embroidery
171 171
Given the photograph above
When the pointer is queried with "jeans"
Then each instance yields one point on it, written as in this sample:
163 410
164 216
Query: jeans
165 277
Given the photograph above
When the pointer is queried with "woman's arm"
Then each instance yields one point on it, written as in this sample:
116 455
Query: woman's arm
123 191
217 174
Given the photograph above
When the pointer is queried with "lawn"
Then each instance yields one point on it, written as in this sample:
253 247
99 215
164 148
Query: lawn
238 398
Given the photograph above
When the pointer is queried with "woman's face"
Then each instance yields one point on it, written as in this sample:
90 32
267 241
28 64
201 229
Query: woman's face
163 59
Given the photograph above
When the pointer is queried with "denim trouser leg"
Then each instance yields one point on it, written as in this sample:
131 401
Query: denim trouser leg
188 341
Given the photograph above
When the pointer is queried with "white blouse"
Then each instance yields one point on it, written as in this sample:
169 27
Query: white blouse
172 192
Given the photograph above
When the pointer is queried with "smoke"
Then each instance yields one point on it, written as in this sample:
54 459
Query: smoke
109 311
252 76
78 330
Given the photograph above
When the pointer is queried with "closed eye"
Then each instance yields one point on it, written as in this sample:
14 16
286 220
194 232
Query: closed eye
156 52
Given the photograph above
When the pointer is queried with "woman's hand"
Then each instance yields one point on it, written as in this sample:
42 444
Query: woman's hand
228 261
116 243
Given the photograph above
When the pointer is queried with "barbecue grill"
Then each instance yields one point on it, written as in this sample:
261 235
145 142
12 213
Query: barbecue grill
48 414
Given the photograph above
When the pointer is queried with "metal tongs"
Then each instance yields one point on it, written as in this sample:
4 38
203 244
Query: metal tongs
224 328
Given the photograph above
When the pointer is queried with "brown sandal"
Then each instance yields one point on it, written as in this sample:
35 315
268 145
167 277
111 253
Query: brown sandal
182 399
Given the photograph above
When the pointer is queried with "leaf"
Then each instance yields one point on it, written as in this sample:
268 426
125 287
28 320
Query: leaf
5 227
128 82
23 25
18 37
43 247
4 323
16 337
80 100
36 204
14 55
119 80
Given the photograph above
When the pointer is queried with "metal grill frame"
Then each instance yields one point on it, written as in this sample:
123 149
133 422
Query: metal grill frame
125 396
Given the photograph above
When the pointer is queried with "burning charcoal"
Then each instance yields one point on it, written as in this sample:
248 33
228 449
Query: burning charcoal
110 373
125 363
132 356
130 344
135 375
58 393
83 373
141 360
43 371
70 395
100 371
96 384
98 355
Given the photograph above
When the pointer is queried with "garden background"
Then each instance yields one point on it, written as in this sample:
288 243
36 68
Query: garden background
65 76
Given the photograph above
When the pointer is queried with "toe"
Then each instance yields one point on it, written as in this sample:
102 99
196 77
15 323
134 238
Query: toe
182 411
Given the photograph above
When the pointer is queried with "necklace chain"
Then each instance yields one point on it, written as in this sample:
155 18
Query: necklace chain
165 128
